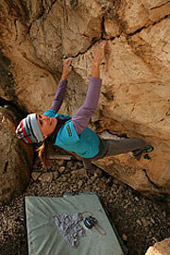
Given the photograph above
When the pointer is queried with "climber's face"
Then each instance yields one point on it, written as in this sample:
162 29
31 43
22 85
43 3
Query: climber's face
47 125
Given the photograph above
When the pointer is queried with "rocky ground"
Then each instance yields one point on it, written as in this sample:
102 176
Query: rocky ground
139 220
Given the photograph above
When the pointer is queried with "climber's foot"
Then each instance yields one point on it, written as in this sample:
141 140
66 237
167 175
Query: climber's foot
138 153
146 156
148 149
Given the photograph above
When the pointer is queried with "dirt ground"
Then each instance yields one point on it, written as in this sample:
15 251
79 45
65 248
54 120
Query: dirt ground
140 221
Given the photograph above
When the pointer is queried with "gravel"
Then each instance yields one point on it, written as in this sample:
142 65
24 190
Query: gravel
140 221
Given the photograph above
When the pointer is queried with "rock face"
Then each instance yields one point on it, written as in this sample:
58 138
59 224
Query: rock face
15 157
161 248
135 96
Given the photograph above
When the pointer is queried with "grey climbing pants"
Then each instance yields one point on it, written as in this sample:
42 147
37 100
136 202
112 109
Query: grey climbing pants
109 147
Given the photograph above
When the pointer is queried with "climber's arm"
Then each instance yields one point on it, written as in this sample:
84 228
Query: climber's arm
83 115
59 96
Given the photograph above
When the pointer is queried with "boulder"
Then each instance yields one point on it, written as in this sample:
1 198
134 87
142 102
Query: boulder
160 248
16 158
37 35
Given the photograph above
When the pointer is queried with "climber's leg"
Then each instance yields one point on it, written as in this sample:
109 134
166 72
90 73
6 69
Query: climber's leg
109 147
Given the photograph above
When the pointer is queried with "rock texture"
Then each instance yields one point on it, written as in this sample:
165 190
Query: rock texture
37 35
15 157
161 248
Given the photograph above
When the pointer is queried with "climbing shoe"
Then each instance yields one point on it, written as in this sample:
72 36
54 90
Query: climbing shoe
148 148
146 156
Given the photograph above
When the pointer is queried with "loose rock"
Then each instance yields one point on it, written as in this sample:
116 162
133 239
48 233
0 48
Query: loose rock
124 237
55 174
61 169
46 177
97 173
60 162
160 248
35 175
81 172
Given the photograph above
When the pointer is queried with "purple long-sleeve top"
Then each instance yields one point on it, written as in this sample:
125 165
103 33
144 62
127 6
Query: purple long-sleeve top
81 118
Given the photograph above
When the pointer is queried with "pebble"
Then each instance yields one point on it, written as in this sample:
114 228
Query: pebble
35 175
80 183
93 178
61 169
152 220
156 207
87 188
55 174
109 180
114 186
69 164
73 167
124 237
145 222
164 213
126 206
46 177
116 182
102 185
78 164
80 172
60 162
90 181
139 222
97 173
64 178
144 202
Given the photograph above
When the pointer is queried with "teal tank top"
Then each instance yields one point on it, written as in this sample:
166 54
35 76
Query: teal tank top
85 145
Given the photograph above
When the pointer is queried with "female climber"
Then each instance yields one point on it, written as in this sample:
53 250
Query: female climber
72 133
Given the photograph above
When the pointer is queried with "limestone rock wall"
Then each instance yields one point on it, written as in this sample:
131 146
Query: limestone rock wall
35 36
16 157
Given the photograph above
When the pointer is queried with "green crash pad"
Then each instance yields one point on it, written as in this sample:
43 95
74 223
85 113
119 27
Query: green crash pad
44 238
